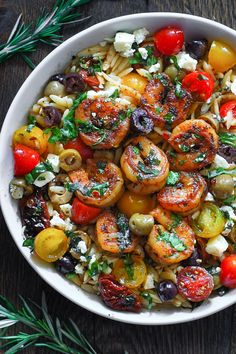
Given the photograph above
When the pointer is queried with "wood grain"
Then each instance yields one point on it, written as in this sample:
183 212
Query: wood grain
214 334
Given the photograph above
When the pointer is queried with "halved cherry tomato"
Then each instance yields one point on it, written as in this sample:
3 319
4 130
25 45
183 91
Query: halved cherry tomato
82 213
228 271
85 151
221 56
169 40
25 159
200 84
131 203
227 107
134 81
35 138
131 273
194 283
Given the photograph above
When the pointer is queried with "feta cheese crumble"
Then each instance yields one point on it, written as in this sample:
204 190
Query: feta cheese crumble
123 43
229 211
54 161
186 62
154 68
82 247
216 246
140 35
143 52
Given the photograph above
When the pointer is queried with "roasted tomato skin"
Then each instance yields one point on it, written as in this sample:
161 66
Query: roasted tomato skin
116 296
194 283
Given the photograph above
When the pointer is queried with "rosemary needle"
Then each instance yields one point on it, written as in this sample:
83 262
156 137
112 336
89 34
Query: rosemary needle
24 38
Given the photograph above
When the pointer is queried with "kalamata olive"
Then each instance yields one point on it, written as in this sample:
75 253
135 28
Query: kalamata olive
141 122
228 152
58 77
222 186
52 116
166 290
54 88
197 48
74 83
194 260
66 264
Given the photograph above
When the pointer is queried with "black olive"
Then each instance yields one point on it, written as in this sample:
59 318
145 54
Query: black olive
166 290
197 48
141 122
66 264
74 83
228 152
194 260
58 77
52 116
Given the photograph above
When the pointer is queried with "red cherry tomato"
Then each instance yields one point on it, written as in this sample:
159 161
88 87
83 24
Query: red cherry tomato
91 81
169 40
117 296
85 151
228 271
200 84
194 283
82 213
229 106
25 159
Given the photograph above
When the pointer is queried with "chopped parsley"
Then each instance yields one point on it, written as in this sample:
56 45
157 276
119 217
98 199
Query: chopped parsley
29 242
147 171
95 268
176 220
184 148
138 59
152 159
228 139
200 158
173 178
179 92
169 117
162 79
148 298
124 232
101 165
173 60
94 189
129 266
31 120
158 109
220 171
172 239
115 94
135 150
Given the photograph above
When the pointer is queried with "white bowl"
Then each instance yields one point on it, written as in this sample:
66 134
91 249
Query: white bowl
193 27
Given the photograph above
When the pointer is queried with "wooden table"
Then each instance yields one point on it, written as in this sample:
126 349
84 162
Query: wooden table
214 334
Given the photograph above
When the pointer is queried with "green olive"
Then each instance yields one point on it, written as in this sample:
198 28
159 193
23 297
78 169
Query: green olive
141 224
70 160
222 186
54 88
171 71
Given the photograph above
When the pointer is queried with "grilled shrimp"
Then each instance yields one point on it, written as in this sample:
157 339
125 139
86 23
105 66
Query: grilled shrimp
100 183
103 123
164 104
145 166
172 241
113 234
186 195
195 143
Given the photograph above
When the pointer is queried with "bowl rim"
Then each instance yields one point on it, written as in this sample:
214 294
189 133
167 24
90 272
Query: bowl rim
108 313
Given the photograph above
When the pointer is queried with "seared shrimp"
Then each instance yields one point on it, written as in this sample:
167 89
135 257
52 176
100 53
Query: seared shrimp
163 104
100 183
195 143
113 234
145 166
186 195
103 123
172 241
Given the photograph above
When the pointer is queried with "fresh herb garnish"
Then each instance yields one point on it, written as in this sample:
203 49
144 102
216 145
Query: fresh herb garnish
184 148
124 232
129 266
229 200
115 94
135 150
148 298
88 191
220 171
179 92
172 239
40 168
162 79
31 120
29 242
173 60
169 117
151 159
200 158
177 219
228 139
138 59
158 109
147 171
173 178
101 165
95 268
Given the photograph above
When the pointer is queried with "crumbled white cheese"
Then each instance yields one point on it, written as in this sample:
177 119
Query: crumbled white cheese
54 161
143 52
209 197
92 260
216 246
82 247
57 221
44 178
123 42
79 269
154 68
128 53
228 227
186 62
219 161
233 87
229 211
83 259
140 35
149 283
66 209
122 101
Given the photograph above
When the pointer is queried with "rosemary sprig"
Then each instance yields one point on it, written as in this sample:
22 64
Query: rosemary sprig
48 333
24 38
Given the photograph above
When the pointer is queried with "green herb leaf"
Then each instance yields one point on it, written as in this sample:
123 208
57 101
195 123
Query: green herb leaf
124 239
101 165
220 171
162 79
173 60
29 242
115 94
31 120
147 171
147 296
177 219
179 92
135 150
129 266
173 178
200 158
169 117
40 168
172 239
228 139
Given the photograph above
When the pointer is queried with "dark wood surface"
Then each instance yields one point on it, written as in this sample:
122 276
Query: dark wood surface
215 334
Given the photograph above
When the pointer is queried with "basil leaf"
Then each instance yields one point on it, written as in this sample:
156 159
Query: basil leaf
173 178
228 139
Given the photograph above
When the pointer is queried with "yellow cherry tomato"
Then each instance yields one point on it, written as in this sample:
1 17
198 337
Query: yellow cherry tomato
130 271
221 56
131 203
51 244
135 81
210 222
33 138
